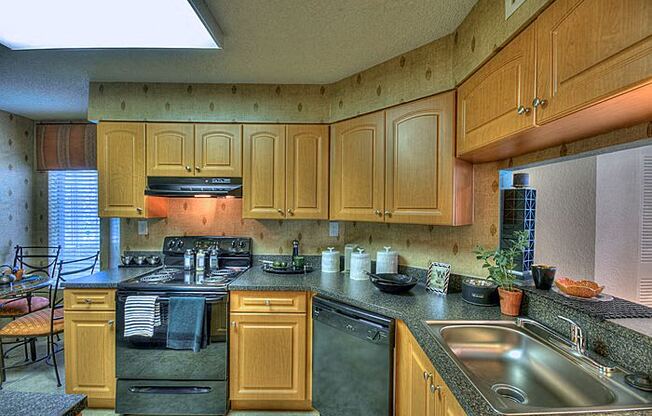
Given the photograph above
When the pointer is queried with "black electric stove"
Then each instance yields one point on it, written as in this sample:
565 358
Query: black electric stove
234 257
154 379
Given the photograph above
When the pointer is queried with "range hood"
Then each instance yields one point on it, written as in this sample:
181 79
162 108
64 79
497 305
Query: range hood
180 187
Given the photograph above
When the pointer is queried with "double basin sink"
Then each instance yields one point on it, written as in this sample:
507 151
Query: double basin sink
522 368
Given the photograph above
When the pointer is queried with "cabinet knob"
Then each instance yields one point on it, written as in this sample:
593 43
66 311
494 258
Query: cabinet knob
110 322
139 210
290 211
279 210
388 213
434 388
523 110
378 212
88 301
234 324
425 375
539 102
188 168
197 168
267 302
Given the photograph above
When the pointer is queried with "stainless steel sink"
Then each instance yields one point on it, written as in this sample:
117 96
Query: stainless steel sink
522 368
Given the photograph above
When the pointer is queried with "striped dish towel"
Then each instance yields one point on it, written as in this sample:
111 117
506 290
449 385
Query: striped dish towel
142 314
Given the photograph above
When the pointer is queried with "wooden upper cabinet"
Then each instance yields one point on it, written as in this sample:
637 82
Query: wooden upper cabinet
588 50
263 173
358 168
170 149
420 162
268 357
306 189
218 150
496 101
121 169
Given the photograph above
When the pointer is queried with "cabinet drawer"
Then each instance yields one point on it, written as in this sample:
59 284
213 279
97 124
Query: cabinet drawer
268 302
89 299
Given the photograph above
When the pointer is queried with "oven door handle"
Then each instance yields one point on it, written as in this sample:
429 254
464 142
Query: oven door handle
170 389
209 300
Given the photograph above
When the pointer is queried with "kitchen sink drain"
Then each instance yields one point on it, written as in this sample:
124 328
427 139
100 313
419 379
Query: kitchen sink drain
510 393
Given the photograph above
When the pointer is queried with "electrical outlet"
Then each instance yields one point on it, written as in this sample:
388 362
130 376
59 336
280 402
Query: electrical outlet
333 229
143 229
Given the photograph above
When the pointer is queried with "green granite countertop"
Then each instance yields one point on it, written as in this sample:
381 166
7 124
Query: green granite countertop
414 308
108 279
18 403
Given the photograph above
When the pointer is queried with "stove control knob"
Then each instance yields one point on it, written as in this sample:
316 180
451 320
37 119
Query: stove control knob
179 244
242 244
170 244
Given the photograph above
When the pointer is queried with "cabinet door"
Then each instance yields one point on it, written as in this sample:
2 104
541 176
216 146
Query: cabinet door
358 169
263 173
588 50
170 149
90 356
420 161
448 405
413 377
268 357
496 101
306 189
218 150
121 169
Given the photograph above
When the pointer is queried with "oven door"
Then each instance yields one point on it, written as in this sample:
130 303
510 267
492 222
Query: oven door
148 357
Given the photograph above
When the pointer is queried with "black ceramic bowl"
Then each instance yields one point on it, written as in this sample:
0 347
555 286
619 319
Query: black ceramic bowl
392 282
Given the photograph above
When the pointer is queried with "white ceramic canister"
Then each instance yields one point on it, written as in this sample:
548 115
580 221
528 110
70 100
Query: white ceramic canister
387 261
360 265
330 260
348 250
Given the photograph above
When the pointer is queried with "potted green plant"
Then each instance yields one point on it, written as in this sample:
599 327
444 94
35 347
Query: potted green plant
500 263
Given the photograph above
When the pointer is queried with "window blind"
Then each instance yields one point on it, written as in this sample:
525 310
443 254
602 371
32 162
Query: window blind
73 220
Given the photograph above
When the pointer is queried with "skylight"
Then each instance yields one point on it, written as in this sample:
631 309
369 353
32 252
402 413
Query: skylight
80 24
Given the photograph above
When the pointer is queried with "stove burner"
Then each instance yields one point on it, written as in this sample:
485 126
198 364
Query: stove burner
160 276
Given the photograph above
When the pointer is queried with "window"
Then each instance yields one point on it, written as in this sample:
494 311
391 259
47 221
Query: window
72 206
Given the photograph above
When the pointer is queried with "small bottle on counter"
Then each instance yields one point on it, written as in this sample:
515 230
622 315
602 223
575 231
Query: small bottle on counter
213 260
200 262
188 260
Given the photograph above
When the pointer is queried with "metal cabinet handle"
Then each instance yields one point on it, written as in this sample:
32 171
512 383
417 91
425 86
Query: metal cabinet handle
425 375
110 322
188 168
234 324
523 110
290 211
268 302
434 389
539 102
388 213
139 210
378 212
279 210
87 301
197 168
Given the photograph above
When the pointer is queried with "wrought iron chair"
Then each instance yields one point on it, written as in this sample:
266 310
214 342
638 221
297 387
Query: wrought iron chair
47 322
40 260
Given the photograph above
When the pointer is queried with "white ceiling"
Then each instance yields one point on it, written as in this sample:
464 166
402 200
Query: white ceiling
265 41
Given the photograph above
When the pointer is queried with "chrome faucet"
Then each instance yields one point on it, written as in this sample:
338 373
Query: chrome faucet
576 335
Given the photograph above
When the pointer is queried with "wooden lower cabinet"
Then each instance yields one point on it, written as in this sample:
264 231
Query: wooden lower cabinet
420 390
89 339
270 359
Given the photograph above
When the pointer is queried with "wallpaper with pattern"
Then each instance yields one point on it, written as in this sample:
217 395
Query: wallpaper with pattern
19 219
416 244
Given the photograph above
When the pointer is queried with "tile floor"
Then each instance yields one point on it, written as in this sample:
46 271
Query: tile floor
40 378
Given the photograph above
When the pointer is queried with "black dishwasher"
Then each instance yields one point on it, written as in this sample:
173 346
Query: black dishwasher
353 354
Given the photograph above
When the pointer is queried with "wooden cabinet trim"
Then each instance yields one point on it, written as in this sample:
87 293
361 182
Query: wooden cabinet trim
89 299
261 302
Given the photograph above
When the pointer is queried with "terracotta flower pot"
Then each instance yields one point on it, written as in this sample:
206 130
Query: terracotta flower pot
510 301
